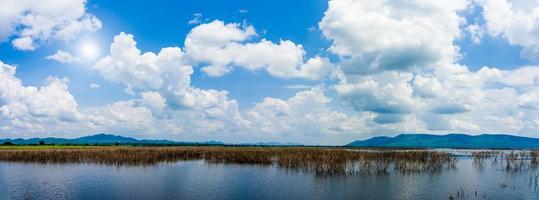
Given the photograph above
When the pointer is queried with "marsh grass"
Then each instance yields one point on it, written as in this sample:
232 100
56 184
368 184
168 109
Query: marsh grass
479 158
28 147
321 161
512 161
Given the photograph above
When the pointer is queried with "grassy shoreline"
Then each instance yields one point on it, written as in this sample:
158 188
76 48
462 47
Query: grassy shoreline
318 160
322 161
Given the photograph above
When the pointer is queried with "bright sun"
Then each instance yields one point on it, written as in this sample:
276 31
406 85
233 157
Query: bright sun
89 50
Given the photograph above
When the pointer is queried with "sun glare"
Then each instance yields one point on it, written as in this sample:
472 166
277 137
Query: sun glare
89 50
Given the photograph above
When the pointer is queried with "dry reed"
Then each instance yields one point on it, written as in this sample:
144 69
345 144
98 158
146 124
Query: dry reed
321 161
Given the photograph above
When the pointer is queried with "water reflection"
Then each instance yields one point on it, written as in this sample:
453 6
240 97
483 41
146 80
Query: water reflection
199 180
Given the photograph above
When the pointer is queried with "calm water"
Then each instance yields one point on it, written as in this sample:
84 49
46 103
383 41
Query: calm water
198 180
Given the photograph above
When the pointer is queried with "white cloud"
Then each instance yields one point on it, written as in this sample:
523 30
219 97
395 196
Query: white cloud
215 34
29 22
63 57
31 108
168 109
476 33
128 66
399 66
164 80
390 77
24 44
298 86
165 72
27 111
374 36
224 46
153 99
315 68
517 21
306 113
526 75
386 93
94 85
197 19
463 125
122 116
449 98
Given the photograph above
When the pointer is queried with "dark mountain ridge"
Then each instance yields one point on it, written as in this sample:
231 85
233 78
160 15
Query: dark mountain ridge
484 141
109 139
101 139
495 141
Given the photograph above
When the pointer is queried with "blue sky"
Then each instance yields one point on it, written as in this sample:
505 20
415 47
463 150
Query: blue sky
166 24
345 93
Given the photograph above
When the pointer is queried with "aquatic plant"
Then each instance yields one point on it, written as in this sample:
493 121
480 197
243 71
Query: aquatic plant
534 154
321 161
480 156
318 160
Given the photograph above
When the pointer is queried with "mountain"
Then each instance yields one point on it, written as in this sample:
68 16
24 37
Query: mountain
450 141
271 144
104 138
108 139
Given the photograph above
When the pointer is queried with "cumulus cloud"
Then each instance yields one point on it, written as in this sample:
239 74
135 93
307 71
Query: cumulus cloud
526 75
30 108
153 99
164 80
28 111
387 93
315 68
224 46
306 113
124 115
24 43
166 107
166 72
128 66
397 71
398 65
63 57
517 21
448 99
29 22
374 36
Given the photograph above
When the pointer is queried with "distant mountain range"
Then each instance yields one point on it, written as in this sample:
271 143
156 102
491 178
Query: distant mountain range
501 141
272 144
102 139
109 139
401 141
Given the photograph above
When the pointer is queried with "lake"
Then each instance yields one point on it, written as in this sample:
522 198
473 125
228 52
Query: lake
200 180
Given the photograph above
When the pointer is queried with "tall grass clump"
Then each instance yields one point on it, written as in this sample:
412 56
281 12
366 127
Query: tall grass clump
534 155
480 156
